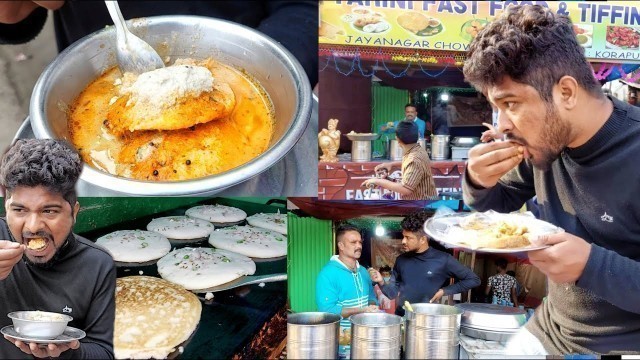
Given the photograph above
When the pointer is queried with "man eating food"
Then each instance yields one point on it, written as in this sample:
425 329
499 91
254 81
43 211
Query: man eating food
43 265
576 150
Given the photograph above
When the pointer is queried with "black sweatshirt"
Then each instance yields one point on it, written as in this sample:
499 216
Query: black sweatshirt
292 23
80 284
592 191
418 276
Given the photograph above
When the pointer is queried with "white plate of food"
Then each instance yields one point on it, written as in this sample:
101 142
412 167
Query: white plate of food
489 232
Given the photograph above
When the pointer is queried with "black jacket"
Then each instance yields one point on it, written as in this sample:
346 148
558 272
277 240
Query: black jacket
81 283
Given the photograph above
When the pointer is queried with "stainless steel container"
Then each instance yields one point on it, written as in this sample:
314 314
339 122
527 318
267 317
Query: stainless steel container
312 335
361 150
465 141
440 147
491 322
459 153
179 37
432 332
396 152
375 336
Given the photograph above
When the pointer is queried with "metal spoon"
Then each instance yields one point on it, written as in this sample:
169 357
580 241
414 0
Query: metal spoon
132 53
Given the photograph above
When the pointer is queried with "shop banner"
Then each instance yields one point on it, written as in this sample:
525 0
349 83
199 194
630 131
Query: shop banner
607 30
343 180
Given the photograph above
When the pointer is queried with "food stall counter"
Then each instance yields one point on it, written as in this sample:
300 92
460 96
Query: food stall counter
341 180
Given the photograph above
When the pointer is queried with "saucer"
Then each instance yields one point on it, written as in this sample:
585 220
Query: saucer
69 334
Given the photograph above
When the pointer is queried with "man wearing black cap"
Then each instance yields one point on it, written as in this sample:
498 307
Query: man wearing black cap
417 182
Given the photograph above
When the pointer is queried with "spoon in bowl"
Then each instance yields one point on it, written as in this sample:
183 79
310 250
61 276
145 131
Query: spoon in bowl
132 53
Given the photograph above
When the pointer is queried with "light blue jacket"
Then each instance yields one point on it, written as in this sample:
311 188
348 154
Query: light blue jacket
338 287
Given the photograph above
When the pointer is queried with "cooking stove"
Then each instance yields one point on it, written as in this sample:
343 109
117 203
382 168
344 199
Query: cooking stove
233 323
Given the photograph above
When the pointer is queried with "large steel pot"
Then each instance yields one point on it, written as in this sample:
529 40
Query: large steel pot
361 151
396 152
375 336
432 332
179 36
440 147
313 335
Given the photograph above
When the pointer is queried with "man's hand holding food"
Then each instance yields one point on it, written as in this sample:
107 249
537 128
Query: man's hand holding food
10 254
376 277
562 262
488 162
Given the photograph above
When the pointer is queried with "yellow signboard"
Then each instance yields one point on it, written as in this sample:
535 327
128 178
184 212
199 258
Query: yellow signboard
607 30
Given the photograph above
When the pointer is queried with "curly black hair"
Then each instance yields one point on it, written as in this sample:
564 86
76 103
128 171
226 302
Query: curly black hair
532 45
41 162
414 222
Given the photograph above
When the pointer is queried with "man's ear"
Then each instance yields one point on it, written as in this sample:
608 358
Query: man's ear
76 208
566 91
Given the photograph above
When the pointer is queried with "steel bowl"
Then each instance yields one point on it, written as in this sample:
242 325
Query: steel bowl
465 141
179 36
39 324
492 317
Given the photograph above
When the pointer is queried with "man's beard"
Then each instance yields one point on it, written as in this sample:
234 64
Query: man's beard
408 250
555 132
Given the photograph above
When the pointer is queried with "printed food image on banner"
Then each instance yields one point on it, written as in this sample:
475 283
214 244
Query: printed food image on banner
420 24
606 30
366 21
329 31
584 34
471 28
622 37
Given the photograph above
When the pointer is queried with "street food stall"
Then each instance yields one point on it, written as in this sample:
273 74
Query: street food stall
376 57
241 319
485 327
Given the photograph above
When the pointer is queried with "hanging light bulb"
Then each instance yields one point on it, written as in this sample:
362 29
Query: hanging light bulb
379 230
444 97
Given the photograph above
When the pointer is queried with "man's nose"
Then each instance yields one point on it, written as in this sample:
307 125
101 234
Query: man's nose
504 124
33 223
